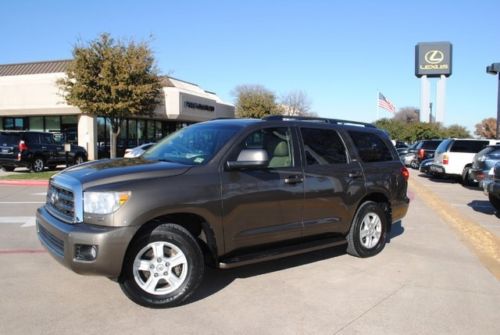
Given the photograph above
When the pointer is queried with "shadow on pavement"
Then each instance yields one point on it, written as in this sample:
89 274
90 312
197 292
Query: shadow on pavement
482 206
216 279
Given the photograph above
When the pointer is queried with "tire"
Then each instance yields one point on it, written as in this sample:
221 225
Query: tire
368 233
495 201
466 181
78 160
9 168
147 257
38 165
414 164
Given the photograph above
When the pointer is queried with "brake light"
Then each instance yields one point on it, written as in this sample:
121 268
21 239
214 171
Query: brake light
445 159
421 153
405 173
22 146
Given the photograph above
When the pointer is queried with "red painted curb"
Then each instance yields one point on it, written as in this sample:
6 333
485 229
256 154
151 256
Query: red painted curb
20 182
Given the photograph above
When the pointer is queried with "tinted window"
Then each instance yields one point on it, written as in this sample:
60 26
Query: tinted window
323 147
432 145
443 147
47 139
9 139
468 146
370 147
32 138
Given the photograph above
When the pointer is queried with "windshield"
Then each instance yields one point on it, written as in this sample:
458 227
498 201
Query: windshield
194 145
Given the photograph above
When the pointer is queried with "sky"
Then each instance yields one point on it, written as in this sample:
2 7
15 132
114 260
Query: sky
340 53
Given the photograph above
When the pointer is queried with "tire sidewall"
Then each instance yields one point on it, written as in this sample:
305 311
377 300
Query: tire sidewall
34 162
368 207
194 269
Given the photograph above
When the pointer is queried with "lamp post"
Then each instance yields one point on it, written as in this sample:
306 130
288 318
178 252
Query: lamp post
494 69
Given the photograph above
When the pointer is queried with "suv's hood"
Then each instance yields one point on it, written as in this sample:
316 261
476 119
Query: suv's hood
119 170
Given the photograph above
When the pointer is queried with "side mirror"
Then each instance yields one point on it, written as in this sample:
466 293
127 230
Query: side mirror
248 159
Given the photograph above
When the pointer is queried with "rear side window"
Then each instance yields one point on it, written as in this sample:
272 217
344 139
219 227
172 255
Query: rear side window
468 146
9 139
371 148
323 147
47 139
431 145
32 138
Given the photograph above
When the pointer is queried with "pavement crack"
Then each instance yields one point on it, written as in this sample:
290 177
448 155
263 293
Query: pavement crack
388 296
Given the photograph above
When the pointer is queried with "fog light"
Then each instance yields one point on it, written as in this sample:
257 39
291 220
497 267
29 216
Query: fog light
85 252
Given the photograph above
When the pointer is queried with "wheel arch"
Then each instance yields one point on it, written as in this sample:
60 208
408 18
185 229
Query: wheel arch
197 226
379 198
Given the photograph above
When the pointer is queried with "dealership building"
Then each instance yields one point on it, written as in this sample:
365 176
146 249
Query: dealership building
30 99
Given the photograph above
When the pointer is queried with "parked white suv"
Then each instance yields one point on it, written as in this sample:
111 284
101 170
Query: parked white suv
454 157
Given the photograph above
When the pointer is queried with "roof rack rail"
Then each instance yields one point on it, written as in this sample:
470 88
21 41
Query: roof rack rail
317 119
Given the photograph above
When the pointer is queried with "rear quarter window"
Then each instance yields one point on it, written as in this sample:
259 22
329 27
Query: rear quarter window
468 146
371 148
9 139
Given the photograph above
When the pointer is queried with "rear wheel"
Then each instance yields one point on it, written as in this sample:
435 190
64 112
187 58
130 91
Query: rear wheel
466 177
163 267
78 160
495 201
368 233
38 165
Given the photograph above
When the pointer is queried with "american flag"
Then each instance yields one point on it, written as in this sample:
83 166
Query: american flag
385 103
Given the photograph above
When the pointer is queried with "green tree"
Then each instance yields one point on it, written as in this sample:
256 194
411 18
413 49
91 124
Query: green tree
487 128
113 79
456 131
255 101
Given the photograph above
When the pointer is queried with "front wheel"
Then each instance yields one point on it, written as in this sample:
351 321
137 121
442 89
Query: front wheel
162 268
368 233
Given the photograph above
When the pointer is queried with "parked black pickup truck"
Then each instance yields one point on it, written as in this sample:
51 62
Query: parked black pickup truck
36 150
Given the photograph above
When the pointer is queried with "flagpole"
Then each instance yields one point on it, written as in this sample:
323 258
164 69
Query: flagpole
378 109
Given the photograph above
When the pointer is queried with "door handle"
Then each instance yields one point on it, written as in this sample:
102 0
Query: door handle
294 179
355 174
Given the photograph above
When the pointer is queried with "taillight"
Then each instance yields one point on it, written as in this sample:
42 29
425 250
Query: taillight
22 146
405 173
445 159
421 153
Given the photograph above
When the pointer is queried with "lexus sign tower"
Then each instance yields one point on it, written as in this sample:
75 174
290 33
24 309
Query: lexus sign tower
433 60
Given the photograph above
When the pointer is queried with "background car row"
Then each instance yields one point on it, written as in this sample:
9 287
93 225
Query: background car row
473 162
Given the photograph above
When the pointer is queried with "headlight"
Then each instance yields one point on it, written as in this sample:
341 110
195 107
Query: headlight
104 202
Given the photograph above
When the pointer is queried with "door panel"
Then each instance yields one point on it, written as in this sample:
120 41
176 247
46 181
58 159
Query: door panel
264 205
333 183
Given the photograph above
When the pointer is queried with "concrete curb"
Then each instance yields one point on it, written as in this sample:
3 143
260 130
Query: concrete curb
21 182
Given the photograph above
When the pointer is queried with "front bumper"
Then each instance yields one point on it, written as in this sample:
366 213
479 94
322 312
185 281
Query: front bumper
62 239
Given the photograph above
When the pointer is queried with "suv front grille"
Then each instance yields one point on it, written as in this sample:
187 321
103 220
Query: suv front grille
61 203
50 241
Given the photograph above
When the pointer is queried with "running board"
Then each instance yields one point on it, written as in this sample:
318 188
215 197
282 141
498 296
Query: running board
280 252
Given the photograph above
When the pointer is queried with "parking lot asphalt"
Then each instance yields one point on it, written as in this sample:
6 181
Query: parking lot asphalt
428 280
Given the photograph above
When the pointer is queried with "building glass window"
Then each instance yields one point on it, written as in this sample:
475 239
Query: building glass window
132 133
15 123
36 123
158 130
150 128
53 124
141 131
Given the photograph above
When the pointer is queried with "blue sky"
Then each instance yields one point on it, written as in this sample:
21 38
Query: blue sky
339 52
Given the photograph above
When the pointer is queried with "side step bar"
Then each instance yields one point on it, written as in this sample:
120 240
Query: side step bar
279 252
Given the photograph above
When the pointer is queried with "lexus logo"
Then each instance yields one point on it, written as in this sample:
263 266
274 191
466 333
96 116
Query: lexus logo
434 56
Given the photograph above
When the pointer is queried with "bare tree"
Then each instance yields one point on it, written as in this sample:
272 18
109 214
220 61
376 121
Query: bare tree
408 115
487 128
296 103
